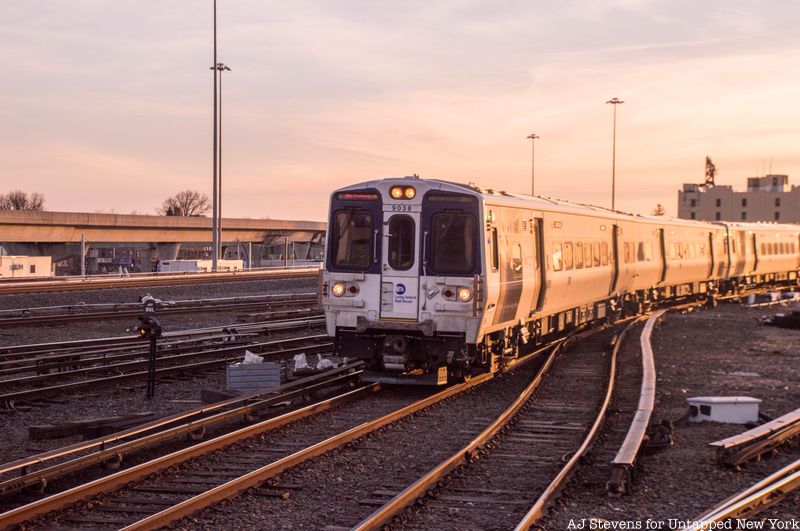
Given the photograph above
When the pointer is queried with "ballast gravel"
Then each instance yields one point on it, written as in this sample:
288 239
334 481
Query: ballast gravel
712 352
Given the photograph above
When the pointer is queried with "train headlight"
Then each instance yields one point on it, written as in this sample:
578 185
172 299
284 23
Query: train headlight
464 294
338 289
409 192
396 192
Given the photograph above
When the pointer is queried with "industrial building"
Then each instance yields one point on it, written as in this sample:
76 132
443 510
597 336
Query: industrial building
768 198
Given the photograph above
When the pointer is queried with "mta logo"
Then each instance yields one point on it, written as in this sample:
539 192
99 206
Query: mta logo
400 289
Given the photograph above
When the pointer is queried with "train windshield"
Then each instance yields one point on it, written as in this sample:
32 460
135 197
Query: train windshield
352 239
453 245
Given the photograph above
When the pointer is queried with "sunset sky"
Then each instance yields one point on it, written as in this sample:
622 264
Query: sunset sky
106 105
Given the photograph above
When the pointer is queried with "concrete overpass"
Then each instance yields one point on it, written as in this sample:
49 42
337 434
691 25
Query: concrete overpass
59 234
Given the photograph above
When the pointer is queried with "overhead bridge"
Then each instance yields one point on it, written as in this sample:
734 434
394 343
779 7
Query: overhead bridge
59 234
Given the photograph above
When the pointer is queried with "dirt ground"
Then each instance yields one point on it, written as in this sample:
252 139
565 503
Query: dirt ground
720 352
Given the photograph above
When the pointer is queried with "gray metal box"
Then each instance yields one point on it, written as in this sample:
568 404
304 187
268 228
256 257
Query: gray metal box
256 376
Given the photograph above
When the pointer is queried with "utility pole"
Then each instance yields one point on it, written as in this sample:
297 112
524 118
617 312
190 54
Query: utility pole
614 102
533 137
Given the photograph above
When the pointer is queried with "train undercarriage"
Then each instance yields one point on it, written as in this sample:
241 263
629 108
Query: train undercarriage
412 357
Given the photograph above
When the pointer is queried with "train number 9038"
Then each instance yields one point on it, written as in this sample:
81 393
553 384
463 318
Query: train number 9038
401 208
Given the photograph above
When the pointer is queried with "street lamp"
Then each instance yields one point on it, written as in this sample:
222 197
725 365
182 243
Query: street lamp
532 137
614 102
214 233
221 67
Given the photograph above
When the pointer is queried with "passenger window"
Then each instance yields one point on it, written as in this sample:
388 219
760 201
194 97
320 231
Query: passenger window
648 251
557 263
596 253
587 254
604 253
629 253
567 255
516 258
763 248
579 255
495 254
640 252
402 233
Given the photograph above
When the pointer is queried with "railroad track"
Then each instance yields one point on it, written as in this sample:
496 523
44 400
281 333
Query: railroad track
85 312
38 387
57 361
41 470
156 279
517 463
751 501
170 487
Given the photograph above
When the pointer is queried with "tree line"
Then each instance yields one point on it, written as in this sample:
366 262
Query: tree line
188 203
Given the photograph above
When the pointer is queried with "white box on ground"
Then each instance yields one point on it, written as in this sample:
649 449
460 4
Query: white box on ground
730 409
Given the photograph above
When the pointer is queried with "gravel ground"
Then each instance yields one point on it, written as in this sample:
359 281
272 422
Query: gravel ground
119 327
710 352
173 394
341 489
138 403
253 453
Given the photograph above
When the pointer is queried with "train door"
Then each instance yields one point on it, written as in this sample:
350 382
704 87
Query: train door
662 246
511 269
399 269
710 254
541 280
615 254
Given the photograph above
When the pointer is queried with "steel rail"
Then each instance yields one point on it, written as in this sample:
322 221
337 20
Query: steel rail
237 486
416 490
273 297
548 496
736 450
408 496
104 451
119 479
625 460
83 284
754 499
102 442
42 378
28 394
73 360
121 342
8 322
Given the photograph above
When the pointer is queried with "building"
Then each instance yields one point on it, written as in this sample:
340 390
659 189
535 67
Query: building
767 198
25 266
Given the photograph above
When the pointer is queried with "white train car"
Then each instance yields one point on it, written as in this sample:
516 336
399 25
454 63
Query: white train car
427 277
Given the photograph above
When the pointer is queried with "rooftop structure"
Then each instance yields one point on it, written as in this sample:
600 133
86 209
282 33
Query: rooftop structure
768 198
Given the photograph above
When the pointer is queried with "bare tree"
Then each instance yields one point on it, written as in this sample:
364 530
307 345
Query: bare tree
19 200
188 203
659 210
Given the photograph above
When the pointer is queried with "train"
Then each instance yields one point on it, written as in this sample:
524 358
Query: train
430 281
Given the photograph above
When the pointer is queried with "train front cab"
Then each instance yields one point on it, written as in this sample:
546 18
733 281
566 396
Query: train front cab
401 282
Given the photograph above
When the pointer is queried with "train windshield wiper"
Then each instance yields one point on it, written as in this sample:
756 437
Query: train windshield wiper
447 226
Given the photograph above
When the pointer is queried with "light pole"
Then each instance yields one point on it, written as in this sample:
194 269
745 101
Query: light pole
214 233
614 102
221 67
533 137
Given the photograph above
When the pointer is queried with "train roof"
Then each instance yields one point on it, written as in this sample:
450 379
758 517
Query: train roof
502 197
